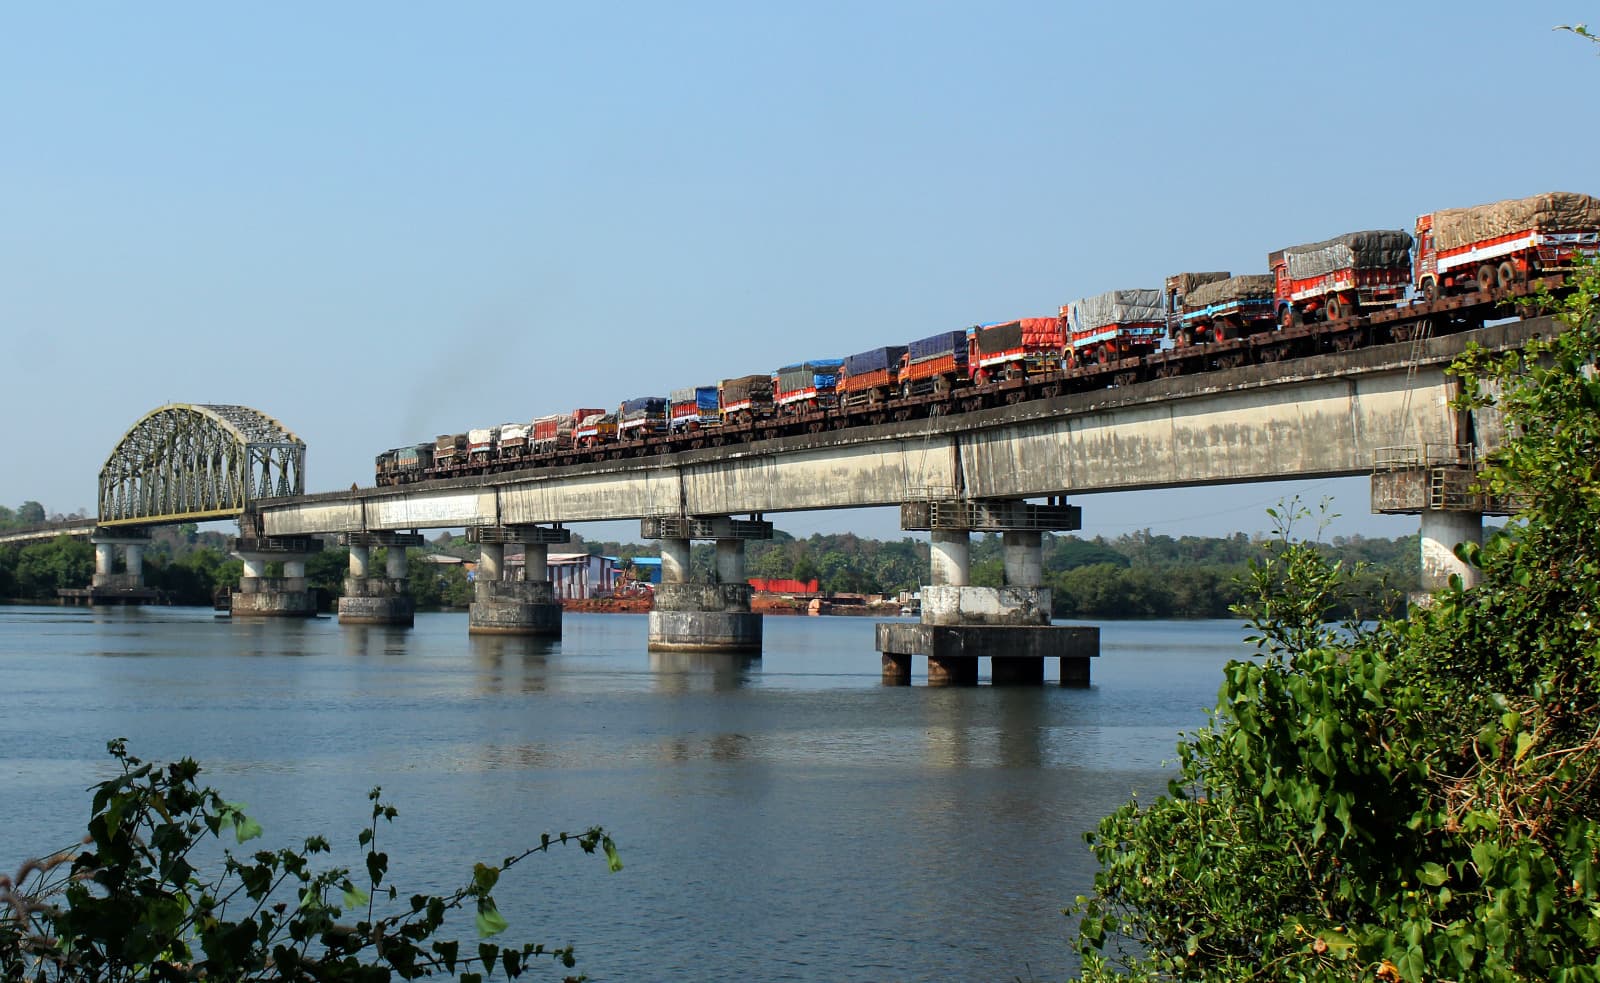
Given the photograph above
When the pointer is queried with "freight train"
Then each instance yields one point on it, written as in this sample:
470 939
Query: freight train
1356 289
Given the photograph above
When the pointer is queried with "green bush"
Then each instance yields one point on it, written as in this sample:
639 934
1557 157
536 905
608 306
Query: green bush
1419 800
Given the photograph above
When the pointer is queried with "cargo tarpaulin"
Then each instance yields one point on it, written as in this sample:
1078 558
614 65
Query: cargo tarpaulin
875 360
1557 211
1116 307
746 387
1376 249
1251 286
939 345
1186 283
642 407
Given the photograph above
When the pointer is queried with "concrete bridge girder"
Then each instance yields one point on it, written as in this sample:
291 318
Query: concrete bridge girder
1317 429
1319 417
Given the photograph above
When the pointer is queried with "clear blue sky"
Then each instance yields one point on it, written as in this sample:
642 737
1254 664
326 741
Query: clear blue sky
380 222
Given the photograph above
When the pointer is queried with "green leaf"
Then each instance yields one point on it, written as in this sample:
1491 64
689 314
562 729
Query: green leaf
1432 874
484 878
490 921
1525 742
613 861
354 897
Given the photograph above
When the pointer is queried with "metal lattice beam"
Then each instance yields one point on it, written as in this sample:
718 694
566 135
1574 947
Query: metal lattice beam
189 462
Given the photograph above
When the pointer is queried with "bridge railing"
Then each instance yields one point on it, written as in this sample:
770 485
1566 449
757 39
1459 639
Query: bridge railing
1432 455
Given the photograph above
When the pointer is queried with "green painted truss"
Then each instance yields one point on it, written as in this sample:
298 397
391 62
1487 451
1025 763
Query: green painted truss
189 462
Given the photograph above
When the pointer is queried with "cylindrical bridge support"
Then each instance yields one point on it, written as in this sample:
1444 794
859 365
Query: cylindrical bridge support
1009 624
385 600
515 607
704 617
1442 532
951 555
261 596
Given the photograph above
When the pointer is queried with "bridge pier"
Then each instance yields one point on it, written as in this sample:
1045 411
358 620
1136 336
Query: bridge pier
370 600
261 596
704 617
1437 484
1009 624
108 586
515 607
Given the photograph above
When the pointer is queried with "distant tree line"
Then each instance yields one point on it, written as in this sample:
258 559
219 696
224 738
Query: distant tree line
1137 575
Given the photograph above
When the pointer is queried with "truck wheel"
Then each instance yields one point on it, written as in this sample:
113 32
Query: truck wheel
981 377
1430 289
1288 317
1506 275
1486 278
1334 310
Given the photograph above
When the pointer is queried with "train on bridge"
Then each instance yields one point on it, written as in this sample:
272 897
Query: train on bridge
1362 288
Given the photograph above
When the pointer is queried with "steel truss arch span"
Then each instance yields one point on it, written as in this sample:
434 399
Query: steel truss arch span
190 462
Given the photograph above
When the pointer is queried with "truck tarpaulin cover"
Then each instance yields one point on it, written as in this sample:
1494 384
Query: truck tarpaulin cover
747 387
942 344
683 395
875 360
1033 333
1185 283
643 406
1381 249
820 373
1558 211
1251 286
1116 307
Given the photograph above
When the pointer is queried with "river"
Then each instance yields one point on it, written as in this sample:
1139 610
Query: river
782 818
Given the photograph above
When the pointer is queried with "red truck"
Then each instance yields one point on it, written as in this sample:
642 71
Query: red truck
1503 243
1016 349
1340 277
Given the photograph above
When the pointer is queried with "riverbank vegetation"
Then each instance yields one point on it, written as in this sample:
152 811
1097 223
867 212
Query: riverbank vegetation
136 901
1413 800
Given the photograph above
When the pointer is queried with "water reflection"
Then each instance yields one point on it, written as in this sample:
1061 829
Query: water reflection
700 672
374 640
512 663
991 727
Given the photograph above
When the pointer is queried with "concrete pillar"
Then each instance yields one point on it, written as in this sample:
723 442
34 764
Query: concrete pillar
395 565
953 670
1442 532
896 669
514 607
674 561
133 555
536 562
260 596
730 561
360 560
384 600
952 557
491 562
105 559
1024 558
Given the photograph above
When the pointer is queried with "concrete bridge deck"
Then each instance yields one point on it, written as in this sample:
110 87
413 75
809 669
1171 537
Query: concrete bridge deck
1323 416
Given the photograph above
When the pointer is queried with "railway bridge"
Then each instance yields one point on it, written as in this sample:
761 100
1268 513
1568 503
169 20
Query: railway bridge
1383 411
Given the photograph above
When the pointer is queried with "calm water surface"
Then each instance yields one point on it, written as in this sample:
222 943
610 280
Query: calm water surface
783 818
